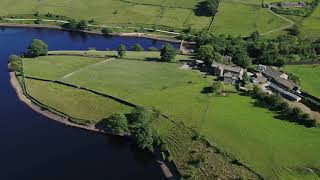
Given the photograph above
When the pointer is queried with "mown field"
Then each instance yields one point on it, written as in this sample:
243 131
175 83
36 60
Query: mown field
309 77
273 148
237 17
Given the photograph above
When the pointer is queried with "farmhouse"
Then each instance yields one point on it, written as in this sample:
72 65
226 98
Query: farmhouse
227 73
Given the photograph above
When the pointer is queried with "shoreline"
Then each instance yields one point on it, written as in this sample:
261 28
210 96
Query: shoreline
57 27
21 96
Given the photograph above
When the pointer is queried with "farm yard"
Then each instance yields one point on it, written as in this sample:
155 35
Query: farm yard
255 135
309 77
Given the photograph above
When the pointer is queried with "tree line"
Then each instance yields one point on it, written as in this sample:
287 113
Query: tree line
276 103
256 50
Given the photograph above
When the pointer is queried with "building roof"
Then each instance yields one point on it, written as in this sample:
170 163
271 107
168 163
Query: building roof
235 69
284 92
286 83
269 71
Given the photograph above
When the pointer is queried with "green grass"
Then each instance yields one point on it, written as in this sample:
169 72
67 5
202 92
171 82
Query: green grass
310 26
111 12
244 17
272 147
74 102
309 77
41 67
169 3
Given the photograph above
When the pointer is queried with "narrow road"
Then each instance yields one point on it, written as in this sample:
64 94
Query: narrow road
281 28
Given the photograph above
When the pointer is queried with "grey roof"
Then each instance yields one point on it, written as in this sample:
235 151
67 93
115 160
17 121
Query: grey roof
272 72
286 83
284 92
235 69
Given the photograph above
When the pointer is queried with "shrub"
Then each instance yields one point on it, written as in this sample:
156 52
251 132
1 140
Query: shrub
152 49
38 21
216 88
15 63
122 50
168 53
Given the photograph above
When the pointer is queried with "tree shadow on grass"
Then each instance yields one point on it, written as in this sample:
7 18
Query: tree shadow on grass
202 9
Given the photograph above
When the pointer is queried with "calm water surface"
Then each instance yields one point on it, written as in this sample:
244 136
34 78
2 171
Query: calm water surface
37 148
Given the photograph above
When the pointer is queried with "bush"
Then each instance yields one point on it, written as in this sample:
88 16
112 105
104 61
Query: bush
106 31
37 48
216 88
168 53
118 123
137 47
15 63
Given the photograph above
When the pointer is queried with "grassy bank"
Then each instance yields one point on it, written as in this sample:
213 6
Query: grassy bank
309 77
256 136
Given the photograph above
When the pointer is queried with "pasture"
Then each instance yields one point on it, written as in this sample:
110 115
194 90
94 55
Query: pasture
310 26
255 135
309 77
244 17
177 15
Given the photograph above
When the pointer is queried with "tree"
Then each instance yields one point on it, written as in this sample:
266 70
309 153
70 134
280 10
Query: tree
72 24
216 87
143 131
168 53
106 31
141 115
144 136
137 47
217 57
205 52
122 50
15 63
37 48
118 123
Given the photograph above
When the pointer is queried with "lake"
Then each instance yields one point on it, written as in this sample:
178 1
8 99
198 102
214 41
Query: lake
35 147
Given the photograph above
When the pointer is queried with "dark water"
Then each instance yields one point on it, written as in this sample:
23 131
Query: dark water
36 148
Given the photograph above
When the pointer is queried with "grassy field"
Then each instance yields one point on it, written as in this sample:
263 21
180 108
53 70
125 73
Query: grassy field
238 17
310 27
235 17
255 135
114 12
76 103
309 77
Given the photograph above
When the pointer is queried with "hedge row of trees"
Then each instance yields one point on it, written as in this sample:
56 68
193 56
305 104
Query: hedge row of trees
245 51
167 52
140 126
276 103
74 25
